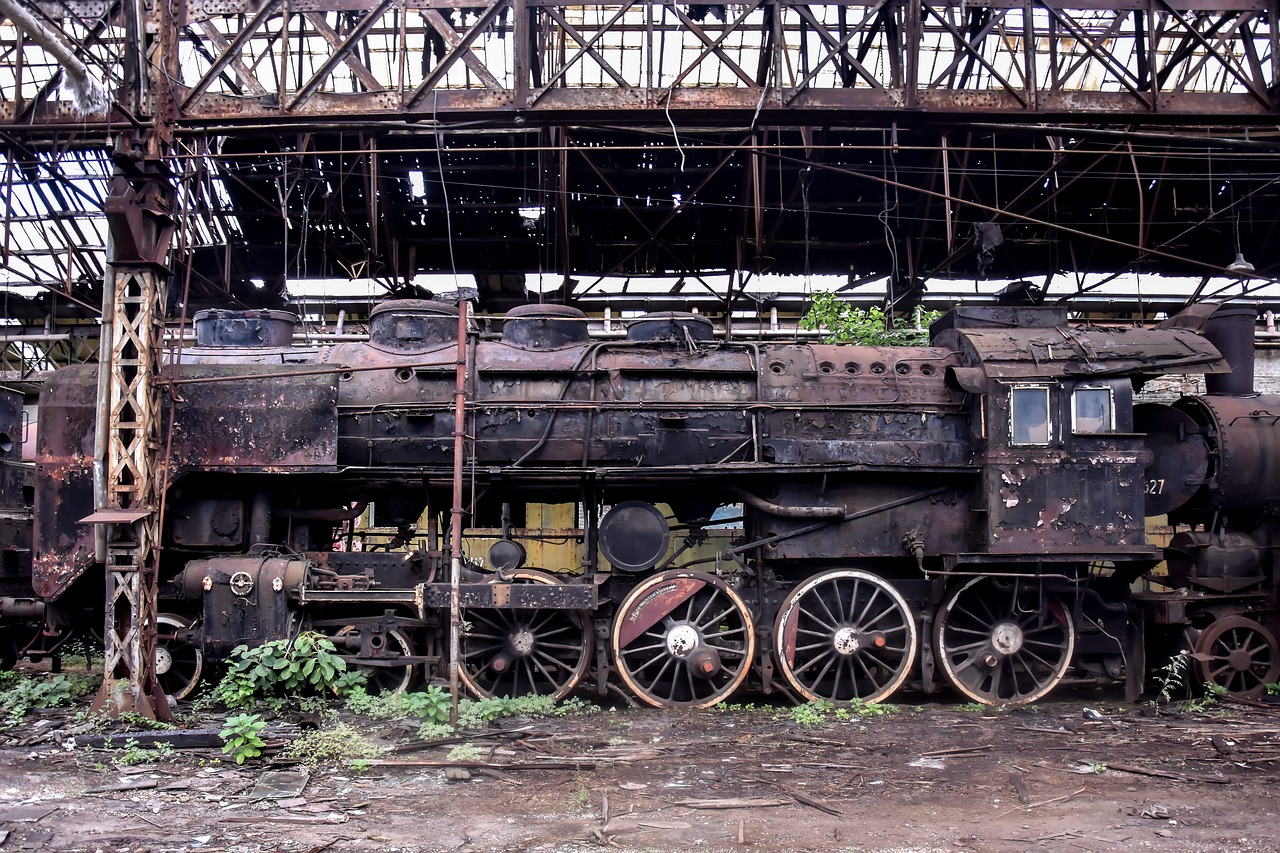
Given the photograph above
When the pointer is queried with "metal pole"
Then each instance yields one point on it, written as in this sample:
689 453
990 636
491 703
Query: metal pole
455 529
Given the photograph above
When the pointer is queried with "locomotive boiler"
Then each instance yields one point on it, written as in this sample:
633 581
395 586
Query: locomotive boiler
968 514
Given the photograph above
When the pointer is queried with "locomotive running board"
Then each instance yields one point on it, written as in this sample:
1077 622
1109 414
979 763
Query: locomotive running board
435 596
511 596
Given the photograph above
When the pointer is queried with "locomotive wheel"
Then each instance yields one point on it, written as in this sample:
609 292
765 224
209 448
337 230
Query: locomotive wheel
524 652
845 634
997 644
179 664
1239 655
683 639
387 679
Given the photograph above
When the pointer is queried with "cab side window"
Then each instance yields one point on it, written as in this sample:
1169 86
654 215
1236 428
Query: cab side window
1092 411
1029 415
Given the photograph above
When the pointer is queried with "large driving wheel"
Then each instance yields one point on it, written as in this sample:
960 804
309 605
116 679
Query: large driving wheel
999 641
524 652
388 646
683 639
845 634
179 663
1239 655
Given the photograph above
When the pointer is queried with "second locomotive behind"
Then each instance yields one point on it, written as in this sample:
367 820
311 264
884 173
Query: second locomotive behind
969 513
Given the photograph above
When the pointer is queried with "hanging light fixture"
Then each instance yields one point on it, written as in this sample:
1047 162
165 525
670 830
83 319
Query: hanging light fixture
1240 266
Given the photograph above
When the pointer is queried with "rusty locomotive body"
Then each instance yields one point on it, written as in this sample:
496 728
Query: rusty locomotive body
968 514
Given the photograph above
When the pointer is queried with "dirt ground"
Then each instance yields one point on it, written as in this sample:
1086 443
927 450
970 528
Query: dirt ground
933 777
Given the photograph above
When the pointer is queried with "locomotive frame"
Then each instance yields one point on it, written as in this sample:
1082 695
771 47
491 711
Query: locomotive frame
968 514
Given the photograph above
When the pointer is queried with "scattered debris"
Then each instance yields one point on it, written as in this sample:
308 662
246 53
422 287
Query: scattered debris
279 785
814 802
177 738
478 765
960 750
733 803
25 814
930 763
132 785
1164 774
1155 811
1020 787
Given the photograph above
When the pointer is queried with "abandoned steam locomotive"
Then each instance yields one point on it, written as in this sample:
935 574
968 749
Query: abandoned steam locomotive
828 520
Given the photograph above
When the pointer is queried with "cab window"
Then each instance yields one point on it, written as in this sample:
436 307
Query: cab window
1029 415
1092 411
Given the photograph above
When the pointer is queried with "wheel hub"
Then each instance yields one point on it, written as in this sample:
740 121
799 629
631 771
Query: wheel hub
1240 660
1006 637
522 641
846 641
164 660
681 640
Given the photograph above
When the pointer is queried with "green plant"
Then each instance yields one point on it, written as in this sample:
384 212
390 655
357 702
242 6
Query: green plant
308 663
845 323
813 713
350 682
971 707
333 742
432 704
434 731
1208 702
1273 689
132 753
1172 676
575 707
464 752
134 720
242 736
478 713
24 693
860 708
580 798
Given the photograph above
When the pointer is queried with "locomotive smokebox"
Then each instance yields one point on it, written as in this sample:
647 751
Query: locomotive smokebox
1230 330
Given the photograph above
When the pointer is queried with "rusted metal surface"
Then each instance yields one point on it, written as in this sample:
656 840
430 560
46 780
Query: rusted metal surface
282 421
63 548
15 509
654 606
431 55
1244 447
1083 351
912 464
243 599
513 596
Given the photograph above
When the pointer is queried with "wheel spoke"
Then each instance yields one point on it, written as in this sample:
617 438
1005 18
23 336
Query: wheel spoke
977 609
830 664
708 618
557 651
1248 642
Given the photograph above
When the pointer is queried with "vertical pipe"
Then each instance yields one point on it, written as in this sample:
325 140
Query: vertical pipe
522 41
102 421
455 528
946 192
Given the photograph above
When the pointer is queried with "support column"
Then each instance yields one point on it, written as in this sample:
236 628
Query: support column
139 216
